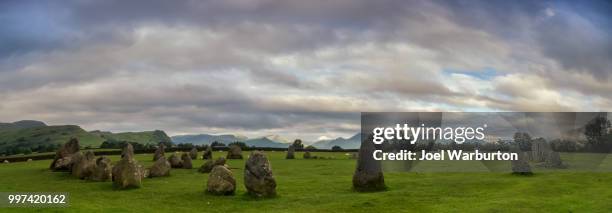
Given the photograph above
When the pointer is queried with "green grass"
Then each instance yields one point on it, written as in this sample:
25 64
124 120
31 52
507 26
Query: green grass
319 185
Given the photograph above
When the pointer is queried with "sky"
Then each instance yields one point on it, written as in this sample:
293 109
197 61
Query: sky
300 69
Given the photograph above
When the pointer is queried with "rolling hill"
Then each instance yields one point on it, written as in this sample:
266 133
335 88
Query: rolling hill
206 139
346 143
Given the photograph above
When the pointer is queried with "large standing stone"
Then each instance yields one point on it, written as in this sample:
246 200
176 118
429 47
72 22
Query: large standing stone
175 161
235 152
307 155
368 174
290 152
62 160
221 181
127 173
207 166
521 165
83 165
207 153
553 160
193 153
103 170
186 161
160 168
159 152
258 177
539 150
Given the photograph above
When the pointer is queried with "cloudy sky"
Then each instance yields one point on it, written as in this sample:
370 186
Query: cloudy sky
296 68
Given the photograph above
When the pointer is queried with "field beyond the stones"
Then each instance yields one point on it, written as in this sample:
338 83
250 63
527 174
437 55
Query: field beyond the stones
321 185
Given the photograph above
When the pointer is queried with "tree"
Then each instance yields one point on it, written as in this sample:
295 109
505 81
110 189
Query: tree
298 144
595 131
311 147
336 148
216 143
523 140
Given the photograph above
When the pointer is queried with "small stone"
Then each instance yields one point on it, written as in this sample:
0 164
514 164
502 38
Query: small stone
103 170
160 168
159 152
307 155
186 164
521 165
235 152
221 181
290 152
553 160
207 153
175 161
193 153
63 154
83 166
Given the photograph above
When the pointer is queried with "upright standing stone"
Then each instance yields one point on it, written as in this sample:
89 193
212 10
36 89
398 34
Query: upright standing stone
258 177
193 153
521 165
290 152
160 168
186 161
103 170
235 152
62 160
207 153
307 155
553 160
159 152
175 162
221 181
83 165
127 173
539 150
368 174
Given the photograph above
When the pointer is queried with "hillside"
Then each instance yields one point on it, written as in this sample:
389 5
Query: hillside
265 142
346 143
21 124
146 137
44 138
206 139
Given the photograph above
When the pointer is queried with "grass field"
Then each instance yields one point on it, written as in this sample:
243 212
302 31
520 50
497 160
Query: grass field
319 185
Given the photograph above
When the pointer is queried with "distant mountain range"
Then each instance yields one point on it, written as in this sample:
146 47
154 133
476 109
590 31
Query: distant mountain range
353 142
273 141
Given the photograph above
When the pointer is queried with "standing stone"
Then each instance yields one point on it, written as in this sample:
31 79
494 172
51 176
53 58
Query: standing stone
235 152
307 155
258 177
175 162
539 150
63 155
207 153
193 153
290 152
5 161
83 165
159 152
368 174
128 173
521 165
186 161
553 160
207 166
221 181
29 160
160 168
103 170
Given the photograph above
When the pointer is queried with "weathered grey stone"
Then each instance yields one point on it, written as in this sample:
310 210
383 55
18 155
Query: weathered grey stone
63 155
521 165
159 152
221 181
290 152
186 161
258 177
307 155
29 160
160 168
83 165
539 150
220 161
207 153
103 170
127 173
207 166
234 152
175 161
5 161
368 174
193 153
553 160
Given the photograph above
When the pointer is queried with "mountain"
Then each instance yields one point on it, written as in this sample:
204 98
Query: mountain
353 142
146 137
206 139
278 139
43 138
22 124
266 142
